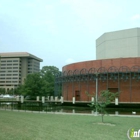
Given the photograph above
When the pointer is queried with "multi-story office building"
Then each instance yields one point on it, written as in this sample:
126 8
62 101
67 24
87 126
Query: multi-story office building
15 66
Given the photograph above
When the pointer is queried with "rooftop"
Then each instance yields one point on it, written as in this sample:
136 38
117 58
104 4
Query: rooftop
19 54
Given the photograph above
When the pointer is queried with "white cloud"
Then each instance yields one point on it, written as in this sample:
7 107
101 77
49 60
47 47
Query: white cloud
135 17
69 60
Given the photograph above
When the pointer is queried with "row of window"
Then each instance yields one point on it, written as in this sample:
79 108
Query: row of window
10 74
14 64
33 66
9 67
9 82
9 71
9 60
10 78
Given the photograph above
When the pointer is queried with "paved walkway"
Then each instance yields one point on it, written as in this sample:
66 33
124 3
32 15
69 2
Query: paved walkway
63 113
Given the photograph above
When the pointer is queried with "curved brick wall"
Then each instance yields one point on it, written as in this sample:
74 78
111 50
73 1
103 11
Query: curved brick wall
130 89
129 62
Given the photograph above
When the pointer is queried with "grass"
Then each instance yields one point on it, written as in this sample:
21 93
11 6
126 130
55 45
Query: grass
39 126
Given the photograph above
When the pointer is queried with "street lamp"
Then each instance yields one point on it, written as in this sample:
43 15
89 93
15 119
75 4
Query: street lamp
96 96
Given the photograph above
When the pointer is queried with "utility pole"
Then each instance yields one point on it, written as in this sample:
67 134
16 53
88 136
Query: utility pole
0 66
96 92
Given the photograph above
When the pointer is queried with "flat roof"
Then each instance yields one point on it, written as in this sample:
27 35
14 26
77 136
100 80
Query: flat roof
19 54
123 30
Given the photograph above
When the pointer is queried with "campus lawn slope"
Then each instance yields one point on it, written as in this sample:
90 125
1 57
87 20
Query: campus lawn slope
39 126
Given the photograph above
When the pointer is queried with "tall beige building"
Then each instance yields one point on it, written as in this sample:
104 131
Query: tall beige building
15 66
118 44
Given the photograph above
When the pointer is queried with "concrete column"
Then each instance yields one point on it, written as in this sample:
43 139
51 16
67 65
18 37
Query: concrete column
62 99
116 101
17 98
37 98
22 99
56 98
92 99
43 99
51 98
73 100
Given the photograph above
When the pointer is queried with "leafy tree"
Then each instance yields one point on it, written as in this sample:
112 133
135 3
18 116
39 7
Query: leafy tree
39 84
10 91
105 98
33 85
48 75
2 90
19 90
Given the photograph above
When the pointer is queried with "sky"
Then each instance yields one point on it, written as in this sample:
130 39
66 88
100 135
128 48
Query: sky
62 31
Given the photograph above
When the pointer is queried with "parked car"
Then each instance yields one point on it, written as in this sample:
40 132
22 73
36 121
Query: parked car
7 96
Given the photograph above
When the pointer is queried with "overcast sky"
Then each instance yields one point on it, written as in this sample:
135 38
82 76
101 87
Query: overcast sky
62 31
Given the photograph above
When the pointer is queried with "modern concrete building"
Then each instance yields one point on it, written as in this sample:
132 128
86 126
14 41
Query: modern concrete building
15 66
119 44
116 75
116 69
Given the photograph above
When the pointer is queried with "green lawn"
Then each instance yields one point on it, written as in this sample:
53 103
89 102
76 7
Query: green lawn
39 126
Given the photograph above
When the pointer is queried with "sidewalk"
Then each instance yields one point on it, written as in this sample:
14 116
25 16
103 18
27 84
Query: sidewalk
63 113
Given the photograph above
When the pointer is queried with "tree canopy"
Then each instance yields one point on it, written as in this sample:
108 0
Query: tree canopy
48 74
40 84
105 98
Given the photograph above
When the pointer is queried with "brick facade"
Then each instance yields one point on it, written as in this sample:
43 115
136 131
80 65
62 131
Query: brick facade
129 87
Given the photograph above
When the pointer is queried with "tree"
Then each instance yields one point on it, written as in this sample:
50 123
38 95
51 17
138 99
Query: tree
33 85
10 91
39 84
2 90
48 75
19 90
105 98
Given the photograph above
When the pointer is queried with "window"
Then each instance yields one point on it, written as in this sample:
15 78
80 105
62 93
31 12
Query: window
9 64
8 81
3 64
8 78
14 81
15 67
15 71
15 60
8 67
2 67
2 77
9 60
